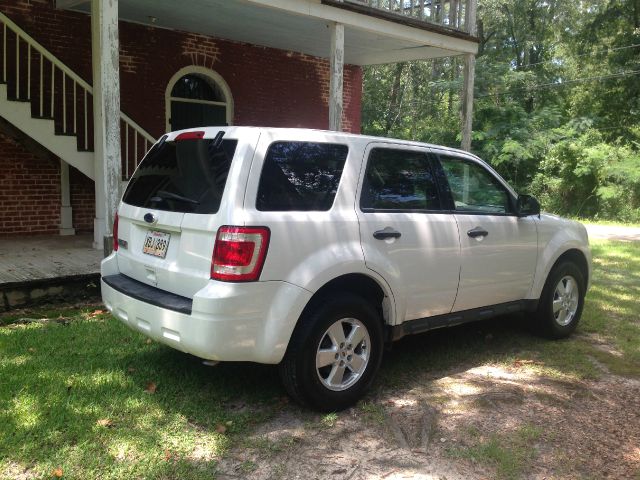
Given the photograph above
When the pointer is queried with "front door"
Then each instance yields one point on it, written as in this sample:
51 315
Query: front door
406 236
498 249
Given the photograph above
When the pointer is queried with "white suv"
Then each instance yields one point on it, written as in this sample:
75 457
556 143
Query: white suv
311 249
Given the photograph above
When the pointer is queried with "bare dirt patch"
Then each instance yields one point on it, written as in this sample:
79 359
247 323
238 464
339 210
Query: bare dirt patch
493 421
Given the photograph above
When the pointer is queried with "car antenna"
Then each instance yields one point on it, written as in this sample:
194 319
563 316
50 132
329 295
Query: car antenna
217 140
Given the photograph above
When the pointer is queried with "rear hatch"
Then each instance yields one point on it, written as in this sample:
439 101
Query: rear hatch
175 202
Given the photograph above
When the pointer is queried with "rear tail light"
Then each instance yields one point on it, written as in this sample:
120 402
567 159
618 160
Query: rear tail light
115 233
239 253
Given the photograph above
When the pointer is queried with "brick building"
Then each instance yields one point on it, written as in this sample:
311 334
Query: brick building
86 87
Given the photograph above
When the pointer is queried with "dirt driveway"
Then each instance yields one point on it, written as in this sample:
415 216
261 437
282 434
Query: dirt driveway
614 232
476 422
482 401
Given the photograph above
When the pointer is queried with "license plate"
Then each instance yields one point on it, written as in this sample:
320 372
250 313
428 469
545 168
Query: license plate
156 243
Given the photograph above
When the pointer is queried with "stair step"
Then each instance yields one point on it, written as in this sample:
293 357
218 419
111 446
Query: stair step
13 99
42 117
19 114
68 134
90 150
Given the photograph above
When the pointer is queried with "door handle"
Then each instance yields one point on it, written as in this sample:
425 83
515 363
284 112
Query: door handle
477 232
388 232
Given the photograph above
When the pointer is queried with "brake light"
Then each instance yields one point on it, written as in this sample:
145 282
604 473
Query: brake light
197 135
239 253
115 233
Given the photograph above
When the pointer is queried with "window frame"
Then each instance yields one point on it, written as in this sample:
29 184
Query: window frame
497 179
207 74
431 163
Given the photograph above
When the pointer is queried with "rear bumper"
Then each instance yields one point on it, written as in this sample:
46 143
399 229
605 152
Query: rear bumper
228 321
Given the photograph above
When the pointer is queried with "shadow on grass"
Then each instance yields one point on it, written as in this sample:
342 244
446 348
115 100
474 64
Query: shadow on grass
59 382
74 396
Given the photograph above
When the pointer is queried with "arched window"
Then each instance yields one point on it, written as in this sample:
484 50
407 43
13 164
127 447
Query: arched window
198 97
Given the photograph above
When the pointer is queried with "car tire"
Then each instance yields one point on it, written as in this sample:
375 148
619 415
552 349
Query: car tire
561 302
334 353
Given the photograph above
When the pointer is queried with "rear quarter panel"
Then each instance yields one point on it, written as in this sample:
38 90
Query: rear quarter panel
309 249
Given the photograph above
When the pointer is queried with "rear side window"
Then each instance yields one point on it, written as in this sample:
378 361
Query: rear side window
399 180
186 176
301 176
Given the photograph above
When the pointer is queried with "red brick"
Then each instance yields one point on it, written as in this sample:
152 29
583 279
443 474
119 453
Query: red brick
270 87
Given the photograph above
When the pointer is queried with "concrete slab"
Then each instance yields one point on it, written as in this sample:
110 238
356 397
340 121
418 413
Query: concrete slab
23 259
614 232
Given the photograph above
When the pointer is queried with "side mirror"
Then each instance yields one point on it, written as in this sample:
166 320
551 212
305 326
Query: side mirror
527 205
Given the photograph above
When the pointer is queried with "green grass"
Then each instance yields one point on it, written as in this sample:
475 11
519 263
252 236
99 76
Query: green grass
73 397
372 412
510 454
613 307
72 385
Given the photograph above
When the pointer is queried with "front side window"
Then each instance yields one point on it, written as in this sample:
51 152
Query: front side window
300 176
473 188
398 180
187 176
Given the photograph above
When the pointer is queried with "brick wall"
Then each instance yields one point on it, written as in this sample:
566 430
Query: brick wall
29 190
270 87
83 201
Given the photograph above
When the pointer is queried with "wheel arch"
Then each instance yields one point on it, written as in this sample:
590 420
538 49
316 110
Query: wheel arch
359 284
578 258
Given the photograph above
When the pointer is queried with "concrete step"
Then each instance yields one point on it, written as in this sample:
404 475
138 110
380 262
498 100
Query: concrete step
49 290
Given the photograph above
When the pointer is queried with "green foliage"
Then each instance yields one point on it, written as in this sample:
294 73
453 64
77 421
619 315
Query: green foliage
557 102
584 176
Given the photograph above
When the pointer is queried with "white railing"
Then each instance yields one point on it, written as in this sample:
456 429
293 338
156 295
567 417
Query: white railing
448 13
35 75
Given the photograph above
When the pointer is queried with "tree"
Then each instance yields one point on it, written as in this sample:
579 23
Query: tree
557 88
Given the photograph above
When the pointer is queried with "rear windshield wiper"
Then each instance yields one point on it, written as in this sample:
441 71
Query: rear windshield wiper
173 196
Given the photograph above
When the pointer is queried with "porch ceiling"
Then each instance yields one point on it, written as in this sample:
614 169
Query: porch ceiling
296 25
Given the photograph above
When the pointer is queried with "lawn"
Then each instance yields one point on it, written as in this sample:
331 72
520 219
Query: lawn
85 397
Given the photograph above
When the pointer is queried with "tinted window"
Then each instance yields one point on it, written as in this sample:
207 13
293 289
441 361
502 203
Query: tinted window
300 176
186 176
399 180
473 188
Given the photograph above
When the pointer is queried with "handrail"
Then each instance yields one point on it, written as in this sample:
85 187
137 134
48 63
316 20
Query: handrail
448 13
79 90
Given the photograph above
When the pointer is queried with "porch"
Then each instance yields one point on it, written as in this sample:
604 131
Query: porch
91 132
42 268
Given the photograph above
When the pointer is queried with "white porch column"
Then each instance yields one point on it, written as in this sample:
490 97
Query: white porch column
106 117
66 219
467 100
469 73
337 77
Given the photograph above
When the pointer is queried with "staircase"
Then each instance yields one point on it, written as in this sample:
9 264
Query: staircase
45 99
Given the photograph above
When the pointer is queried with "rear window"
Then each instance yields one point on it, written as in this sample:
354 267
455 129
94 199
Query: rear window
185 176
302 176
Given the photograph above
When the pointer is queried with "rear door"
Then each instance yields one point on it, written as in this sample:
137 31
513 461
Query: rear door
406 236
498 249
173 206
